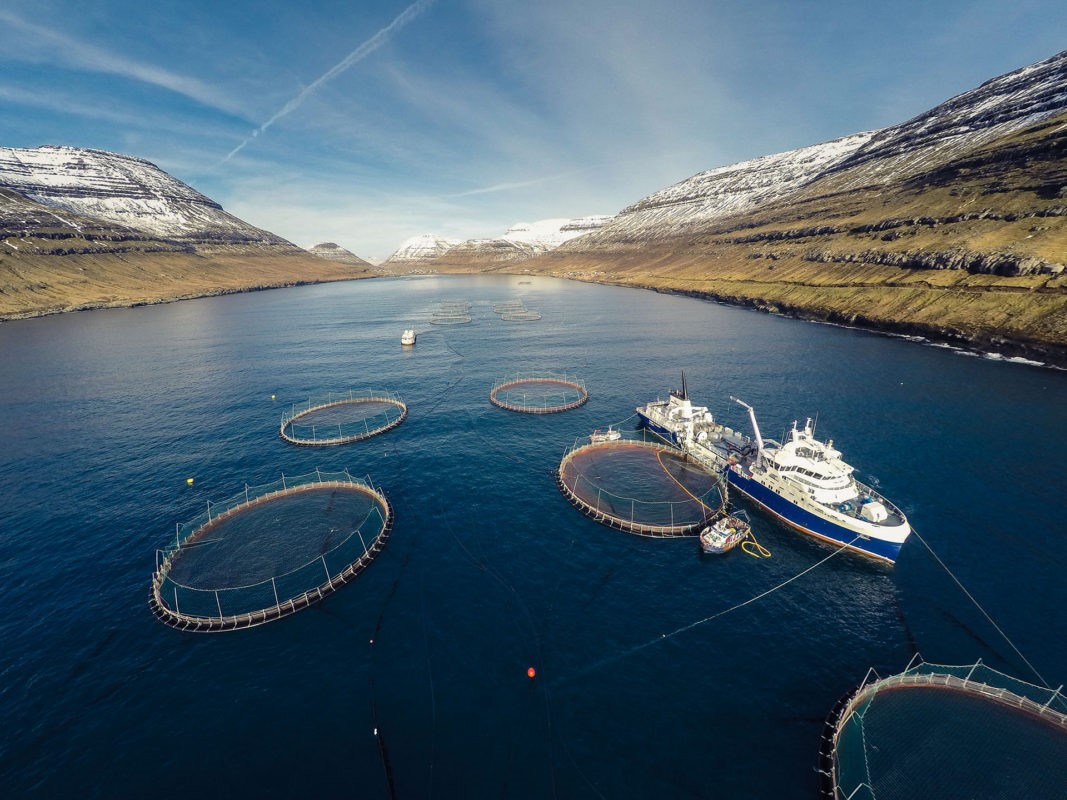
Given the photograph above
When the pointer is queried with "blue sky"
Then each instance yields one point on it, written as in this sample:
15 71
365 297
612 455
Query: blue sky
365 123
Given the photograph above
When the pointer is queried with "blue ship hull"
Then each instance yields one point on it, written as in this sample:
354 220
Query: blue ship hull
809 523
659 430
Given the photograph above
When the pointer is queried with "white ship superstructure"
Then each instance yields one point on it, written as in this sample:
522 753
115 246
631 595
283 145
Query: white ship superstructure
803 482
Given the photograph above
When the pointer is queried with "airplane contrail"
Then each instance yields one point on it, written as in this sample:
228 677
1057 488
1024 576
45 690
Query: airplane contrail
357 55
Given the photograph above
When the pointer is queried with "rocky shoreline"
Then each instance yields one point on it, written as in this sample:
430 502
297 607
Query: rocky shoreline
1044 354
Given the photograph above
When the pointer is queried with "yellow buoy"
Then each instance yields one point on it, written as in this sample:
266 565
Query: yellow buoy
272 397
189 481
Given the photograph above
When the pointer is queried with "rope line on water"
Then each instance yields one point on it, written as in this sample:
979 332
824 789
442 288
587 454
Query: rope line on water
664 636
620 423
978 605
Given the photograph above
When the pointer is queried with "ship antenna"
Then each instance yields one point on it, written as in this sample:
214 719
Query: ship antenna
685 391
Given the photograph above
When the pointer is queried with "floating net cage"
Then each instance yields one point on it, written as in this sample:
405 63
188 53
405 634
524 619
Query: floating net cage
508 306
515 311
269 552
339 418
541 393
637 484
946 731
451 312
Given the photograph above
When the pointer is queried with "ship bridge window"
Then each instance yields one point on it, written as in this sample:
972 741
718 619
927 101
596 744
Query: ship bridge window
801 470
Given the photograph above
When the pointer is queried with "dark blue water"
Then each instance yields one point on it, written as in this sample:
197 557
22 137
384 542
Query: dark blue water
489 569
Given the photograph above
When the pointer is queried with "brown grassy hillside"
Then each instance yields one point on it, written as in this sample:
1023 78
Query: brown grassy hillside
31 285
971 251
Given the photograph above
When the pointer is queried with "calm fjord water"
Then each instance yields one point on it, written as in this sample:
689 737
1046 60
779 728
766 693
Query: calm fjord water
489 570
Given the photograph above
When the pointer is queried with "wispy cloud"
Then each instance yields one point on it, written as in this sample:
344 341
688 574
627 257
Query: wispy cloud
509 186
357 55
44 44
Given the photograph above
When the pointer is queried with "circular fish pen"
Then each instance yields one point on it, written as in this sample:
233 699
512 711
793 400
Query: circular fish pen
449 318
946 731
269 552
539 394
508 306
639 486
451 312
342 418
515 311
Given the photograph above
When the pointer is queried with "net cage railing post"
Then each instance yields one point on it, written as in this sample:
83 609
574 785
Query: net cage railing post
606 508
242 606
977 680
346 432
572 394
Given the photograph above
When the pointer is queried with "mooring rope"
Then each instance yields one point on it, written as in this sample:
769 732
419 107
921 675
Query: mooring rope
760 550
664 636
978 605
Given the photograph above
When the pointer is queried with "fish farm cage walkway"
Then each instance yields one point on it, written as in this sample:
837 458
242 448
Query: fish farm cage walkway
341 432
544 393
680 519
228 608
945 731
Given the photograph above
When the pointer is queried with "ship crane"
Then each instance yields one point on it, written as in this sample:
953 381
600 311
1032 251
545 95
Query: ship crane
755 429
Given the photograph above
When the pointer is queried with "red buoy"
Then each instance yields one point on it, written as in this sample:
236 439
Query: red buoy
531 672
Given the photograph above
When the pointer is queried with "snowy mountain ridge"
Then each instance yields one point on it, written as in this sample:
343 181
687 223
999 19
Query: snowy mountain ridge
423 247
521 240
122 190
959 125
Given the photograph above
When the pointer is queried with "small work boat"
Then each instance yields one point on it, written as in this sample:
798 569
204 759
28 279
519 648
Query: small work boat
407 337
610 435
725 533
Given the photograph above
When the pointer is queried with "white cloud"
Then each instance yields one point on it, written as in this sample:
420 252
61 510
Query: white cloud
39 44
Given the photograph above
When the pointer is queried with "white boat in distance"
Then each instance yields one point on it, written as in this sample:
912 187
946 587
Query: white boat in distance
407 337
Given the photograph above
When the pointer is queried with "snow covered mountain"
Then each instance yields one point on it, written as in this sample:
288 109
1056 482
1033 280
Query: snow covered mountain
954 128
127 193
89 229
950 226
732 189
332 251
424 247
548 234
519 242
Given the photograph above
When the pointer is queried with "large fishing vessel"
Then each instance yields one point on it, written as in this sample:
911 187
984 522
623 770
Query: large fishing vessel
803 482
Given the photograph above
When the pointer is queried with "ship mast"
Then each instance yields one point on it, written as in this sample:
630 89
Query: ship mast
755 427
